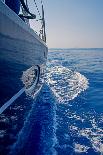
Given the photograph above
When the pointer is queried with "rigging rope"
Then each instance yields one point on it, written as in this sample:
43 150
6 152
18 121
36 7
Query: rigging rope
37 9
41 2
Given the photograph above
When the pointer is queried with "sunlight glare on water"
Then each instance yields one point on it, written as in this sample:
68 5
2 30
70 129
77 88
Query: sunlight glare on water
75 77
65 83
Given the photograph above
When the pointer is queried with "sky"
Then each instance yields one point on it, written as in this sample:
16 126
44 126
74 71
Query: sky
74 23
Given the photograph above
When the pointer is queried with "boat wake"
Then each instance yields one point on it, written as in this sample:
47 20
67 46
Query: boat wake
38 135
65 83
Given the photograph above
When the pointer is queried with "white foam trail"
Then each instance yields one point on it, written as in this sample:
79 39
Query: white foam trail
66 84
8 103
47 135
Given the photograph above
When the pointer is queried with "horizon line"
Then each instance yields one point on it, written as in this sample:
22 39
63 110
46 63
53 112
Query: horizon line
76 48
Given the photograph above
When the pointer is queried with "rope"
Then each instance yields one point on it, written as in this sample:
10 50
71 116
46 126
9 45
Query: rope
21 91
37 9
41 2
8 103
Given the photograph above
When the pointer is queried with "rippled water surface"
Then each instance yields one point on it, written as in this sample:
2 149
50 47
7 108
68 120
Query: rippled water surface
76 78
67 115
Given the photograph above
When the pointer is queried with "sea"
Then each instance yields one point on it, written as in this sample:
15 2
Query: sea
66 116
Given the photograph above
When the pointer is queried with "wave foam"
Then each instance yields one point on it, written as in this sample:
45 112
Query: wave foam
66 84
94 134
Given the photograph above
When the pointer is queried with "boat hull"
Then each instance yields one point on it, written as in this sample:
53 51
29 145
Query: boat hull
20 49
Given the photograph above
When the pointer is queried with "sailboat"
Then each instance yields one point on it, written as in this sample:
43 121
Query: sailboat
23 52
23 56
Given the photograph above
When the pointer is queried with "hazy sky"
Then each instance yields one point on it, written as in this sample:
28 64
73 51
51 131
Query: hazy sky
74 23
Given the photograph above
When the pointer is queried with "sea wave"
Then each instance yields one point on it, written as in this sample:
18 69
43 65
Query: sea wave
94 134
65 83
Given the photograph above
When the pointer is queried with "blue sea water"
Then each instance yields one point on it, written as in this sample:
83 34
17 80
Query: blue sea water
66 117
78 87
